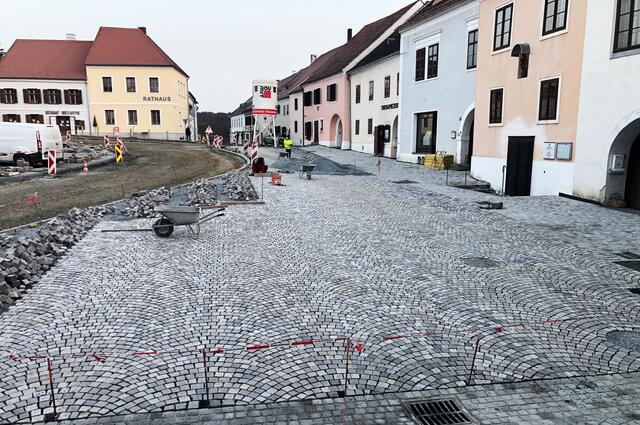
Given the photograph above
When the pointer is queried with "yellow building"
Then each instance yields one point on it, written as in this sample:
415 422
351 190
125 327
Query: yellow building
135 87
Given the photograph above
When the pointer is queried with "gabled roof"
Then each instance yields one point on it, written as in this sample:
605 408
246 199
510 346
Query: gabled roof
389 47
244 107
301 77
46 59
141 50
429 10
284 84
349 51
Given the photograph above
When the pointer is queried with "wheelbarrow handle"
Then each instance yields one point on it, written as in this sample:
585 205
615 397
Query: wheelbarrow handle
211 216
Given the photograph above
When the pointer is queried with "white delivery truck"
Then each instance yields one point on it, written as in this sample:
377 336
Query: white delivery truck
20 141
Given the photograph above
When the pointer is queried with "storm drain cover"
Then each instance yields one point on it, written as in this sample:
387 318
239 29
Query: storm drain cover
480 262
629 255
405 182
629 340
633 265
437 412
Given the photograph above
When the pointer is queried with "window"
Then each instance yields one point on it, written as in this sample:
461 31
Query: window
370 126
322 125
627 25
79 125
308 98
11 118
427 132
472 49
502 30
398 84
155 117
32 96
278 109
131 85
9 96
73 97
295 105
549 89
371 90
432 66
107 85
387 86
495 106
358 93
154 85
295 126
277 130
555 16
317 97
52 97
133 117
34 119
109 117
332 93
357 127
420 63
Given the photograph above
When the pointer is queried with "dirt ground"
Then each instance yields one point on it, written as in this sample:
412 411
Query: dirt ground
148 165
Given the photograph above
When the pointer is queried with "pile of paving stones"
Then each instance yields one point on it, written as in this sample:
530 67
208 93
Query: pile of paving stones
8 171
238 187
143 204
202 192
76 151
24 260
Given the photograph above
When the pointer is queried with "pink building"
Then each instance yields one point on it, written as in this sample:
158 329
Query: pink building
327 90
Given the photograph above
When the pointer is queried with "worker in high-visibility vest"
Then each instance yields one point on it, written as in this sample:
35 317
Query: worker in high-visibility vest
288 144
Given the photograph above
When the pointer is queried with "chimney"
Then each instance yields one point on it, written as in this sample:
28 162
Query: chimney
349 34
69 36
143 29
313 58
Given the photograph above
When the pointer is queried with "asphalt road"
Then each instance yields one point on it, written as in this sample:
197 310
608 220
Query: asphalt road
148 165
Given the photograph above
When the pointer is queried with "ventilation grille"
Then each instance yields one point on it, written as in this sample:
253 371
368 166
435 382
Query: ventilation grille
437 412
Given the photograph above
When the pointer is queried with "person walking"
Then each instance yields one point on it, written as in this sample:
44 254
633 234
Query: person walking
187 132
288 144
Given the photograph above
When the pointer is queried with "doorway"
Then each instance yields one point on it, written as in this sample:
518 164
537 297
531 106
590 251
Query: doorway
64 123
632 187
316 132
339 135
470 152
519 166
394 139
378 140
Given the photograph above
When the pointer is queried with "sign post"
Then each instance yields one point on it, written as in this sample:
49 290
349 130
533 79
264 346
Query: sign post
119 158
51 162
208 132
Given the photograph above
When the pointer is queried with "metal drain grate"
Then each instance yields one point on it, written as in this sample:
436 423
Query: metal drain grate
633 265
405 182
480 262
629 255
437 412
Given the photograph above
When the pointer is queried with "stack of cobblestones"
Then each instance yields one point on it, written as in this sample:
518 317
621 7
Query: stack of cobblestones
77 152
143 204
202 192
238 187
24 260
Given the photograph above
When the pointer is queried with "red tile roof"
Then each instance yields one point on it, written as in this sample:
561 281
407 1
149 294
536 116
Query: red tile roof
301 77
346 53
127 47
429 10
46 59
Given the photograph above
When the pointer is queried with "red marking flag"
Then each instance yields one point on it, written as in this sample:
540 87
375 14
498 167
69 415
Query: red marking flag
32 199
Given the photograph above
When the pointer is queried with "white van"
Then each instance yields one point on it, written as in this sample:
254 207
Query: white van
19 141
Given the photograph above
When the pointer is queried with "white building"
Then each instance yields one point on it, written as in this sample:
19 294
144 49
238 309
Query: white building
437 81
49 90
375 94
241 123
607 152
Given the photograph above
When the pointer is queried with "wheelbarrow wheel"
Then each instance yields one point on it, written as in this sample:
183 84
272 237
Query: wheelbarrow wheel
163 228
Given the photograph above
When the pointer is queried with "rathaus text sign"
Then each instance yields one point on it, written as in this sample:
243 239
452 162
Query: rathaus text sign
156 99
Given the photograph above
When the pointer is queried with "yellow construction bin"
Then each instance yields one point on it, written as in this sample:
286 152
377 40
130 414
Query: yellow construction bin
438 162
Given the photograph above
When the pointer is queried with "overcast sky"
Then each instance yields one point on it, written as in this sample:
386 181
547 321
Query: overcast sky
221 44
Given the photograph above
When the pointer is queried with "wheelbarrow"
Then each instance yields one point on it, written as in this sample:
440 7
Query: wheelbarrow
174 215
306 170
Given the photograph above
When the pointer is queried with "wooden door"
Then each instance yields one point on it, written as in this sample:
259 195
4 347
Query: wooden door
519 166
316 132
632 189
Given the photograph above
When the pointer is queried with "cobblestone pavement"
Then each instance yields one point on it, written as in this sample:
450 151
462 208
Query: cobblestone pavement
415 274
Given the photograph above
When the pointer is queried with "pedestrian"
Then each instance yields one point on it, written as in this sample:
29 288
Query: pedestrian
288 144
188 133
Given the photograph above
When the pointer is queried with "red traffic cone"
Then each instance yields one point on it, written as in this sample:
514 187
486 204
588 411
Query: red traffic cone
85 169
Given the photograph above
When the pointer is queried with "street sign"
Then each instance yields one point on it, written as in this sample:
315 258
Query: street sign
51 160
107 144
208 130
119 159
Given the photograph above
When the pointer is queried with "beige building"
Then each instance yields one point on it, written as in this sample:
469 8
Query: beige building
530 56
134 87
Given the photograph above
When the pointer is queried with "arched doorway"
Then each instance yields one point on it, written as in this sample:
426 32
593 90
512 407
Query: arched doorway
465 149
339 135
335 132
623 178
394 139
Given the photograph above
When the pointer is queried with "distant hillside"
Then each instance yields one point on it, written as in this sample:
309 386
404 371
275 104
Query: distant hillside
220 123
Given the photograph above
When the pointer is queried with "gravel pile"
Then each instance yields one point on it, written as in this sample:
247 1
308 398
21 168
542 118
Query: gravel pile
202 192
323 166
76 151
24 260
238 187
142 204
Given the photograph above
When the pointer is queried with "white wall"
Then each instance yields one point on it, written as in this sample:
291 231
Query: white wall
79 112
451 93
297 137
608 103
376 72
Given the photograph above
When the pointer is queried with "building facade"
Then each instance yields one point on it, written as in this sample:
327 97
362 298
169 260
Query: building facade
50 90
139 90
375 94
439 46
530 56
607 153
